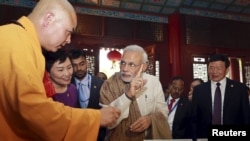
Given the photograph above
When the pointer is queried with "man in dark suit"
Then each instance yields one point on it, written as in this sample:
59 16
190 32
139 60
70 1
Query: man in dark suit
179 111
88 86
233 100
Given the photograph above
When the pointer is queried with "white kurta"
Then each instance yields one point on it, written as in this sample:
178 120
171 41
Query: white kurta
150 99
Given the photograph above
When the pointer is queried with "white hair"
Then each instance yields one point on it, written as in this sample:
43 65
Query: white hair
139 49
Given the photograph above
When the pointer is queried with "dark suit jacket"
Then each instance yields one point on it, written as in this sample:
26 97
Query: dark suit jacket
236 109
96 84
182 124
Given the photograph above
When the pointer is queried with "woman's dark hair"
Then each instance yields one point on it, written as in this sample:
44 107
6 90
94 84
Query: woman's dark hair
51 57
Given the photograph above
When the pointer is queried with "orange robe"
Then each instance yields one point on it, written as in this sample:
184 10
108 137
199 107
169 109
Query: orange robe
25 111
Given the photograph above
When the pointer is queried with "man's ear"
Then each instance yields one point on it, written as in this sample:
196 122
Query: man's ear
145 65
48 19
227 70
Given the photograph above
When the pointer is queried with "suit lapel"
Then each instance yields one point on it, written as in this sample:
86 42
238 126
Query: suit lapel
179 108
228 91
94 94
91 94
208 96
93 85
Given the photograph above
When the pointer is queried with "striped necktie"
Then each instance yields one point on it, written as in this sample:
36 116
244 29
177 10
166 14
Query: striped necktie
170 105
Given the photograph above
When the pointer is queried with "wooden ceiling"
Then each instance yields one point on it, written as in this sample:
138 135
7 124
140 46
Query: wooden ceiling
166 7
155 10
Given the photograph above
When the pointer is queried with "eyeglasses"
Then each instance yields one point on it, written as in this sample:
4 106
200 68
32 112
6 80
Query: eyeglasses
131 65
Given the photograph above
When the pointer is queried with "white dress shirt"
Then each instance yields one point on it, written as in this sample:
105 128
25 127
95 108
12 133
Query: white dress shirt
171 112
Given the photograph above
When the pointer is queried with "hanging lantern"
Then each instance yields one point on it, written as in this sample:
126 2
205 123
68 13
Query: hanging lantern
114 56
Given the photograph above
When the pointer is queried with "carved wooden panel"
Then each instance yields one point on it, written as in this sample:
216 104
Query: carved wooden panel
151 59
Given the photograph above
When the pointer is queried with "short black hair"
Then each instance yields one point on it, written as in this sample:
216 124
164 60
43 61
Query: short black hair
177 78
51 57
76 53
219 57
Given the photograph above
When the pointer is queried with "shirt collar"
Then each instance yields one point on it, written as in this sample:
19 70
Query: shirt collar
222 82
85 80
170 98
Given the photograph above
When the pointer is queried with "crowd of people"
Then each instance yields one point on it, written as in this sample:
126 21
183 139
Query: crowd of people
46 92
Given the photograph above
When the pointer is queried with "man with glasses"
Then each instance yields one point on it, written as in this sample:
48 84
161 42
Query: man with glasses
140 98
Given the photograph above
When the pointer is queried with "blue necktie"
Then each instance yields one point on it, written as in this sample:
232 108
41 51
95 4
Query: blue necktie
217 106
83 96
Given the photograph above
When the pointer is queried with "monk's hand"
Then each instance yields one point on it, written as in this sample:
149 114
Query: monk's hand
141 124
109 116
136 84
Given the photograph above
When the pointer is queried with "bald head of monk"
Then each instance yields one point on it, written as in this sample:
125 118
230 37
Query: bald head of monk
54 21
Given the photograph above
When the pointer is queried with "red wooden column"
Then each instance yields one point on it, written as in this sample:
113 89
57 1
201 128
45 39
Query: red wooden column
174 44
234 69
